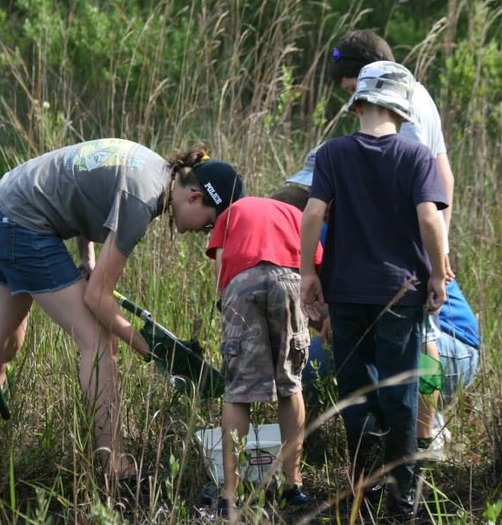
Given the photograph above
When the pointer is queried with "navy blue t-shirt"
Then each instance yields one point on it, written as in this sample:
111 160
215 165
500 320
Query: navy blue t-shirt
373 244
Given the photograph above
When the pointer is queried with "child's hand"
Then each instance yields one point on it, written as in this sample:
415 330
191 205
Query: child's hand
85 269
312 299
436 294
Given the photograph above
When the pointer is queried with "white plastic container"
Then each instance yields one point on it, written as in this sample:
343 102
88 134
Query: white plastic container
262 447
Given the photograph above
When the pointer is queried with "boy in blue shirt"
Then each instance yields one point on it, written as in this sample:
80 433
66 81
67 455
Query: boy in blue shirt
459 342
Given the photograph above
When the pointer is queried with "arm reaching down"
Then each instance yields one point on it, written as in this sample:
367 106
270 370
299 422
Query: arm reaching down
100 300
87 256
431 232
312 300
448 180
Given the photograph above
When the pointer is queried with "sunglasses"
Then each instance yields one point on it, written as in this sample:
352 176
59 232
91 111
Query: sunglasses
336 55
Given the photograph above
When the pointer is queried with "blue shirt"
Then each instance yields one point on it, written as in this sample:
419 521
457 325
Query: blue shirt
373 244
456 317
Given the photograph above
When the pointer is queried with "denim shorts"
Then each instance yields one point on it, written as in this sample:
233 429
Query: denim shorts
460 365
33 262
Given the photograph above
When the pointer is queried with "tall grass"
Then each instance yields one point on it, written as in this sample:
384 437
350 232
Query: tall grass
227 73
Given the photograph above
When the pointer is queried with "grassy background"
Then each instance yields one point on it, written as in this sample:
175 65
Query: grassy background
251 78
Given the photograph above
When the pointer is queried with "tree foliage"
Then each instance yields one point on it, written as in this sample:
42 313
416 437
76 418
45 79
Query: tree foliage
163 71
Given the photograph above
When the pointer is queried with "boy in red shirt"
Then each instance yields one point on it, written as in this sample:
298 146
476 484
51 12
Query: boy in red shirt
256 245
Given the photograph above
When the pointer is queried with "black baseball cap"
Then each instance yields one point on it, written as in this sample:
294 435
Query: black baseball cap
220 182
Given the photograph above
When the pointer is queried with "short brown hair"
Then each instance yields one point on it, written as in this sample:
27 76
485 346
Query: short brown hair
355 50
292 194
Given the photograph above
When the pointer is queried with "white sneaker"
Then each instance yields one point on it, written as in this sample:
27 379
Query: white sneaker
441 437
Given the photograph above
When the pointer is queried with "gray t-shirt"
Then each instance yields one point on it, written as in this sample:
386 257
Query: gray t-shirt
88 189
427 129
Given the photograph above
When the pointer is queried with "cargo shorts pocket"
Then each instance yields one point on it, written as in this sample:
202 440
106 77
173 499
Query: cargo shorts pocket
299 352
230 351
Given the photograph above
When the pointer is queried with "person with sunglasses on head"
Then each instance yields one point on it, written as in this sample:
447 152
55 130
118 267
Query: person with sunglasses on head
106 191
383 263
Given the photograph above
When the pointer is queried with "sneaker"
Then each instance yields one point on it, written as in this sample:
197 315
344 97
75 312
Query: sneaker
442 438
400 507
368 505
424 443
209 494
223 507
295 496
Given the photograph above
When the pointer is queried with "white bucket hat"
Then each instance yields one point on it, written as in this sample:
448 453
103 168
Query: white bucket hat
386 84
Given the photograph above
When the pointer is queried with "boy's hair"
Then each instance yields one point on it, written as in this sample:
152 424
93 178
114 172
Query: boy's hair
355 50
292 194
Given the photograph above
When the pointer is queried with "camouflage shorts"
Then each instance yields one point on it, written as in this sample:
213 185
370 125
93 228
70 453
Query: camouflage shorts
265 335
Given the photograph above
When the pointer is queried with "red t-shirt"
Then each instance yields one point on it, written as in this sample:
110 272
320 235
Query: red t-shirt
254 230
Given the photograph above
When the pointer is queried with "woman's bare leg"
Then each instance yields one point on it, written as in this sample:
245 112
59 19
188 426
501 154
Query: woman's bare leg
98 370
14 311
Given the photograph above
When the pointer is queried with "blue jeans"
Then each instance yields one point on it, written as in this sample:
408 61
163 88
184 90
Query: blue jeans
369 347
33 262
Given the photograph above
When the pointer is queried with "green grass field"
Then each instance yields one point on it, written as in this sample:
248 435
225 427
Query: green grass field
254 84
